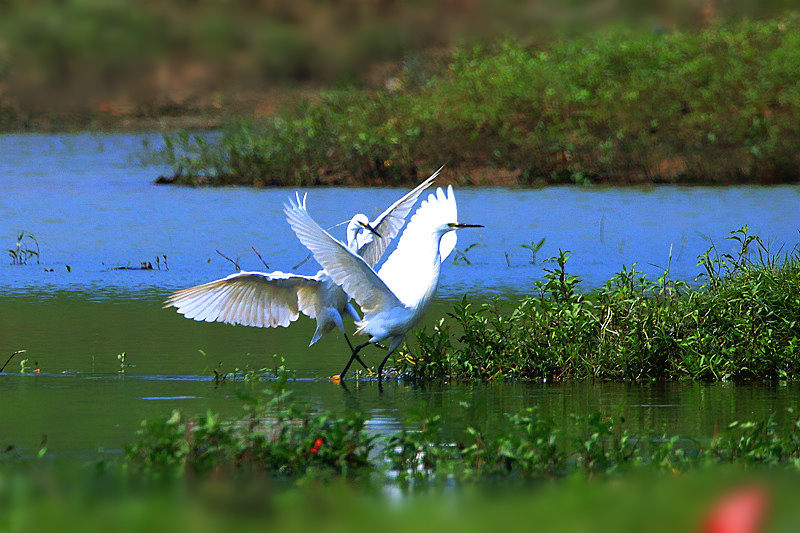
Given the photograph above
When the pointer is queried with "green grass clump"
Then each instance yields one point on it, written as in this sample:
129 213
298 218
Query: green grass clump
743 323
618 105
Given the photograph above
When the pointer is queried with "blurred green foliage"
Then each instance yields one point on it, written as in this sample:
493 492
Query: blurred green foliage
207 473
278 439
741 324
284 443
619 105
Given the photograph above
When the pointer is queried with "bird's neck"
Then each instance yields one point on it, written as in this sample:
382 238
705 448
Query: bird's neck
431 261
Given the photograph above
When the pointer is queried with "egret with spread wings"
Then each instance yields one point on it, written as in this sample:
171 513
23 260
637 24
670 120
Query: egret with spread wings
268 300
394 298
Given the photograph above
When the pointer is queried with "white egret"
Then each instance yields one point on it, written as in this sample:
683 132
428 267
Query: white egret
260 299
393 299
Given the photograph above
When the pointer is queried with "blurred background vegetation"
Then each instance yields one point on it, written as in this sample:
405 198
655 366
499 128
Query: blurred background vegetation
83 63
352 92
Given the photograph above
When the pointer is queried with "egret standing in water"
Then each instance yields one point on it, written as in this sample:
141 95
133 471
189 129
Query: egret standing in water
393 299
268 300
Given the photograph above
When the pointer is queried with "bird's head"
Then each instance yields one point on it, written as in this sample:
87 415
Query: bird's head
360 231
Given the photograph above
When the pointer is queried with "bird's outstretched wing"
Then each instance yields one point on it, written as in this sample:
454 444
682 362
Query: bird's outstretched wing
389 223
344 267
248 298
403 273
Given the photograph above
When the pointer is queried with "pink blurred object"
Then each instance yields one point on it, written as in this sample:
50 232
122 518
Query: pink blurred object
741 511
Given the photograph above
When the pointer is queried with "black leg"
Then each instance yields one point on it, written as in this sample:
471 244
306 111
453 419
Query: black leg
352 357
353 350
380 368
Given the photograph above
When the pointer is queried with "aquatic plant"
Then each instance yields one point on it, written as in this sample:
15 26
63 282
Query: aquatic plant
461 257
534 248
740 324
143 265
532 447
22 250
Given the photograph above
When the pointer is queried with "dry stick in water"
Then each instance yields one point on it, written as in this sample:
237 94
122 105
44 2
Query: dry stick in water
235 262
301 263
259 256
3 369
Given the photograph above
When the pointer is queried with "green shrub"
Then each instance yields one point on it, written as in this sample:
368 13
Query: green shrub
741 324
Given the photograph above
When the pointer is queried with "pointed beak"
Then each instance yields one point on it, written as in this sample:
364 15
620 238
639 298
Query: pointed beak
373 230
459 225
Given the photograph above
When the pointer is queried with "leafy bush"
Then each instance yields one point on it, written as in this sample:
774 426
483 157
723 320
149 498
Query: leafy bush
741 324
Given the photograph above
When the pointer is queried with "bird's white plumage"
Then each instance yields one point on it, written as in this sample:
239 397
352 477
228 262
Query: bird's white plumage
248 298
389 223
394 300
409 275
406 276
276 299
347 269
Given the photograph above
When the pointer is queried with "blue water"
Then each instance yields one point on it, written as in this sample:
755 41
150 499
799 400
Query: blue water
92 206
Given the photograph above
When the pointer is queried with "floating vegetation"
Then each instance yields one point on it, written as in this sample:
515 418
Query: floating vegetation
279 372
740 324
277 438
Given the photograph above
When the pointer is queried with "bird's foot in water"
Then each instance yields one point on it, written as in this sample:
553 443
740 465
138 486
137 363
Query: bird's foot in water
369 373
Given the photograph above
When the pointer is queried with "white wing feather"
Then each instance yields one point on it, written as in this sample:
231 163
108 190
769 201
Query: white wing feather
248 298
403 273
389 223
344 267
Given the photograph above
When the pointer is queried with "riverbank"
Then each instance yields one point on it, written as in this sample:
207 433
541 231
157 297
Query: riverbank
616 106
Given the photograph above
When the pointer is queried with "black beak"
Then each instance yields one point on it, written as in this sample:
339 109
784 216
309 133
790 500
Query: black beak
459 225
373 230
